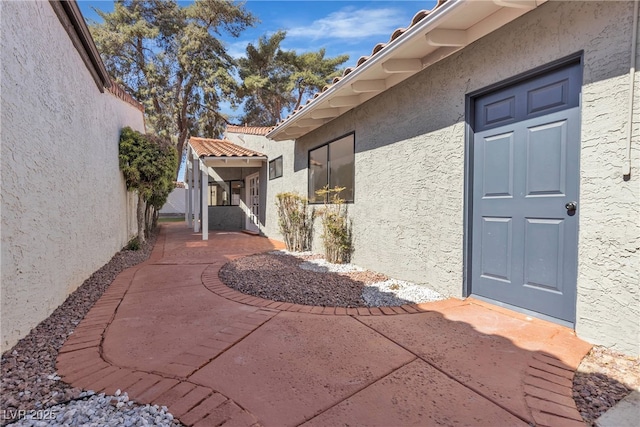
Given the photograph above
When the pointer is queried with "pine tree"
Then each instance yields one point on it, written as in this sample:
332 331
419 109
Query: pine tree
275 82
171 59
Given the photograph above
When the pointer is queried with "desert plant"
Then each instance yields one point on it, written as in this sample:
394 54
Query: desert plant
133 245
336 227
295 221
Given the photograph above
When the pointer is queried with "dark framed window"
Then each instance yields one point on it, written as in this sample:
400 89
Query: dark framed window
333 165
275 168
225 193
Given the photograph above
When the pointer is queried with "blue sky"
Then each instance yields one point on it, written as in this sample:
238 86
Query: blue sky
341 27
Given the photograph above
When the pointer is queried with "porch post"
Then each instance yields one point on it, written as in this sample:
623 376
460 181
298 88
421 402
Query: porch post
196 193
189 198
205 203
186 197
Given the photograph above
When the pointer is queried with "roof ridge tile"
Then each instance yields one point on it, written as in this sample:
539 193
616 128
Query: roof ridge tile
249 130
417 17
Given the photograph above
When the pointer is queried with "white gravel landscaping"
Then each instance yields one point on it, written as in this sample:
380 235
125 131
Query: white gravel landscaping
99 410
391 292
322 266
397 292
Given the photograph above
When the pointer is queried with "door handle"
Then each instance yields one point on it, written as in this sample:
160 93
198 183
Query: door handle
571 207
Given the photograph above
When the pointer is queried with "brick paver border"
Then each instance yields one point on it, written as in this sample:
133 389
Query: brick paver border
549 392
212 282
81 363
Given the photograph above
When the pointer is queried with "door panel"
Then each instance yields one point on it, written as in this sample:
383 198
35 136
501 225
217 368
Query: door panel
546 159
543 253
525 169
555 91
496 248
548 97
497 179
500 112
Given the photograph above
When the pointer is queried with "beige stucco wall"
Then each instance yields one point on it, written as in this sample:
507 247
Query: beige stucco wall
65 209
608 309
409 183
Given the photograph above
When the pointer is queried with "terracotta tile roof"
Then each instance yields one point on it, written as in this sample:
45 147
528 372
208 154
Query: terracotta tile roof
249 130
119 92
419 16
205 147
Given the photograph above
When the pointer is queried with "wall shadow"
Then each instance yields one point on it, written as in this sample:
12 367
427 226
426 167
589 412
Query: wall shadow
525 369
485 365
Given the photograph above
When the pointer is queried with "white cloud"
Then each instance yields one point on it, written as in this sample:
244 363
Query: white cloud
238 48
351 24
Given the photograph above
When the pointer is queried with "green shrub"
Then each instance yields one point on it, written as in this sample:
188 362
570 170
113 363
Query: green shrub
295 221
337 233
133 245
149 164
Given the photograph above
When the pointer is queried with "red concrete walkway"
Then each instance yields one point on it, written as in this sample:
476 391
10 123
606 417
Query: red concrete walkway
169 333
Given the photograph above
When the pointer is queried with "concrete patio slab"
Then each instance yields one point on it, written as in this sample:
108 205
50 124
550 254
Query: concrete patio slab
152 330
170 333
477 345
157 278
296 366
416 395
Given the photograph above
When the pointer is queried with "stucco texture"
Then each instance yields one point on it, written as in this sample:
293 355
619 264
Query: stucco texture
410 162
65 208
291 180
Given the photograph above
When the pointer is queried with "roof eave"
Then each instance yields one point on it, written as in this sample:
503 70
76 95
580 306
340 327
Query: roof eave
233 161
443 42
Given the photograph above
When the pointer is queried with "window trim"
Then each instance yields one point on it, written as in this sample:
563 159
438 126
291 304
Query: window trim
327 144
275 168
230 183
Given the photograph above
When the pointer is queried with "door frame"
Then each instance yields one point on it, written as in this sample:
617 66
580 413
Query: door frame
470 112
248 203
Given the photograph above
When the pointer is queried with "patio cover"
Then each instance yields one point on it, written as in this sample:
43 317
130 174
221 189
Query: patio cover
223 153
205 153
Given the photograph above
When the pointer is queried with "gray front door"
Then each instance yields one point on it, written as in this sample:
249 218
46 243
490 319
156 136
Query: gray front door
526 149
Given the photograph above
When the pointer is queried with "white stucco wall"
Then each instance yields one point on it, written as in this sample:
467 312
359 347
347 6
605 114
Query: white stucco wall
409 183
175 202
65 209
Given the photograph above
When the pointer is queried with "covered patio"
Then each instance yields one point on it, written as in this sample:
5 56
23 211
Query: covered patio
223 186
